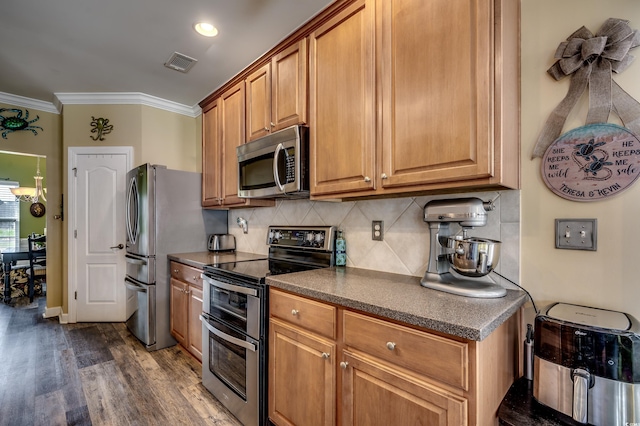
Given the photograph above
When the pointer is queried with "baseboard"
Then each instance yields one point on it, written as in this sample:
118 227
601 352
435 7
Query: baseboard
55 311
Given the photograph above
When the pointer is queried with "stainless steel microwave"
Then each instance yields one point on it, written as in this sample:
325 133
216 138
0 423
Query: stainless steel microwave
275 166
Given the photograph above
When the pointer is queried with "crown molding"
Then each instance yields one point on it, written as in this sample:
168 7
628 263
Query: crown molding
125 99
21 101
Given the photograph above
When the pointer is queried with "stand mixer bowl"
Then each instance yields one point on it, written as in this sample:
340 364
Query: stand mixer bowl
473 257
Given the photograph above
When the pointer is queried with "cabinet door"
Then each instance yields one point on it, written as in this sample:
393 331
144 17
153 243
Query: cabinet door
289 76
232 131
342 102
195 327
211 156
258 88
302 378
437 91
377 394
179 311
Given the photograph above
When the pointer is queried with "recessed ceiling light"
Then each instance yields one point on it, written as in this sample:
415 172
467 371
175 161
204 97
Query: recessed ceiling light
206 29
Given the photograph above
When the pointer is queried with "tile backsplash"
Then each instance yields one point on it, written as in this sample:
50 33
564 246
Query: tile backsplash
405 248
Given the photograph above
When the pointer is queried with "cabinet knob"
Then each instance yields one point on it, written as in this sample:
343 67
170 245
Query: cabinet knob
195 278
266 129
294 312
367 179
384 176
325 355
344 365
273 125
391 346
187 291
175 271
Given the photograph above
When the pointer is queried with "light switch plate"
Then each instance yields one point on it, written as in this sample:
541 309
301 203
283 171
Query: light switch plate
577 234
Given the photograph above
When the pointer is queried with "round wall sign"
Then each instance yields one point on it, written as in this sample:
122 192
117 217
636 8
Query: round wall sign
592 162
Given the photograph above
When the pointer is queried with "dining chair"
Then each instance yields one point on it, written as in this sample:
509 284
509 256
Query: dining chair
37 260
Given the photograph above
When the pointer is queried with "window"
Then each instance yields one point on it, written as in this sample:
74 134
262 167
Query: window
9 217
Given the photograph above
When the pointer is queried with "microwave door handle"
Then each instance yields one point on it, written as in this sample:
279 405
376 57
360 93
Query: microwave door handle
226 337
279 148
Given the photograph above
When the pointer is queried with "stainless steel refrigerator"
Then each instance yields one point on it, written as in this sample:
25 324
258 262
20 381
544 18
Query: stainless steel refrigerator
164 215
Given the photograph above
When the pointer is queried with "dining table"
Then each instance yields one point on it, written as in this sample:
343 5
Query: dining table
9 258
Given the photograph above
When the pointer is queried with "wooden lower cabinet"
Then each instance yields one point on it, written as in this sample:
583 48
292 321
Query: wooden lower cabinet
186 307
302 376
378 372
374 393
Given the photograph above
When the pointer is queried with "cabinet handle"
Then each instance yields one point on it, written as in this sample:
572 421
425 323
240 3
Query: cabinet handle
391 346
367 179
325 355
273 125
294 312
384 176
344 365
187 291
266 129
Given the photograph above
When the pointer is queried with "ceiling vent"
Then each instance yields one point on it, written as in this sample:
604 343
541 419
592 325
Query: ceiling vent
180 62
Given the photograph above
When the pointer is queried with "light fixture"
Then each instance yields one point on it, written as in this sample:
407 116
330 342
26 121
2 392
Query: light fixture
206 29
29 194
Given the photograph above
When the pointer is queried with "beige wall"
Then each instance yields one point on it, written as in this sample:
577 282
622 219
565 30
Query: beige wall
170 139
607 278
47 143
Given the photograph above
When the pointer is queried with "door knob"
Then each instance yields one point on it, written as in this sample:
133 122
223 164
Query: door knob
119 246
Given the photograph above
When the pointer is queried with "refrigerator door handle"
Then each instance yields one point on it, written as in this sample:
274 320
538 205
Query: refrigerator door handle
132 285
135 260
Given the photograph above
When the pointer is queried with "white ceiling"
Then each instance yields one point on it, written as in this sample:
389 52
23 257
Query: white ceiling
120 46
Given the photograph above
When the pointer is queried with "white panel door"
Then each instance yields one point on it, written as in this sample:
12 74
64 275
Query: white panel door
99 237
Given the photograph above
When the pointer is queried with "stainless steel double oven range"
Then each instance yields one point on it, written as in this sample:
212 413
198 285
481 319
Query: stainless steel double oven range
236 311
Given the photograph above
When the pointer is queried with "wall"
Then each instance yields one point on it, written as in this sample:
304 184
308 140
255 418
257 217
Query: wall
157 137
46 143
405 248
22 169
606 278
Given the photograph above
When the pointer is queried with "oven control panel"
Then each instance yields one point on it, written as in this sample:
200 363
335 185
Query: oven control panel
309 237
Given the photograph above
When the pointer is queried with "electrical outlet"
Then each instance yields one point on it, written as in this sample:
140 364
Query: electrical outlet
377 230
577 234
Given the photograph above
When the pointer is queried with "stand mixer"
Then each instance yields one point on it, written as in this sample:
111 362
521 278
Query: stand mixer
460 264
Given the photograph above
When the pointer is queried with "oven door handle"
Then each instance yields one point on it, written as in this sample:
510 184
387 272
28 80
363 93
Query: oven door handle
226 337
230 287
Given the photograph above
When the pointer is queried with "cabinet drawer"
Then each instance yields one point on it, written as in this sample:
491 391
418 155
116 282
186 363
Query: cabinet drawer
186 273
309 314
434 356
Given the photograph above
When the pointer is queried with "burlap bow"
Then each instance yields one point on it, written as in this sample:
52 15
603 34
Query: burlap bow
590 60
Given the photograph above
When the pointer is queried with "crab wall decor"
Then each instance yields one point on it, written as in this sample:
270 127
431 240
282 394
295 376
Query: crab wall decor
101 127
16 122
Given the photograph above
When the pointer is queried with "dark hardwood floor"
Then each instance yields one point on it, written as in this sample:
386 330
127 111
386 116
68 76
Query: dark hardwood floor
95 374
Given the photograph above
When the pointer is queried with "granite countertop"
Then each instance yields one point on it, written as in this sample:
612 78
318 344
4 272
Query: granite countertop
402 298
202 258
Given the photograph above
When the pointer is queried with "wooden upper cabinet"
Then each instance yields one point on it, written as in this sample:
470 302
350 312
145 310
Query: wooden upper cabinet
225 117
289 81
232 104
437 91
258 86
342 102
276 93
441 111
211 161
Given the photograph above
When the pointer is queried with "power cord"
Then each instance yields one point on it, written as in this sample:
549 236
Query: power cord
522 288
